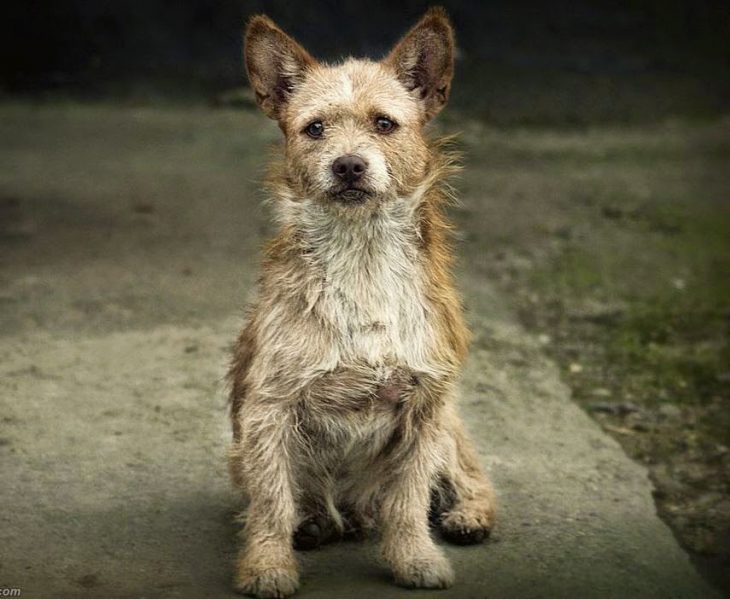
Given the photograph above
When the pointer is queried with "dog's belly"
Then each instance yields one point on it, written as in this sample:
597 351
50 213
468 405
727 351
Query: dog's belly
363 419
343 450
384 333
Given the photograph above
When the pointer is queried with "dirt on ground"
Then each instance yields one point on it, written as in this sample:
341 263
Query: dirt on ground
614 246
129 243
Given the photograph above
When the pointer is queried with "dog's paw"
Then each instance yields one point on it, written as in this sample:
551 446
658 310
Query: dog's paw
309 535
466 526
424 572
270 583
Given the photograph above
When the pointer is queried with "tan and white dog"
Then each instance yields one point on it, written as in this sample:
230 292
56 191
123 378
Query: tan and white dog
344 380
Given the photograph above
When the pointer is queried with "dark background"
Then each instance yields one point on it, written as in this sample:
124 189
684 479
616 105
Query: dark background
520 60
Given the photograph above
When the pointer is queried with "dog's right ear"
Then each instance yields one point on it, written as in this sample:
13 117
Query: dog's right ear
275 63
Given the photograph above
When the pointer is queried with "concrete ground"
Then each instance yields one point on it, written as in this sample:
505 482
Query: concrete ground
129 244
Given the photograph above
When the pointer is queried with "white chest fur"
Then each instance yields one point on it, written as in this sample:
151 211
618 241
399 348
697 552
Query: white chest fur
372 289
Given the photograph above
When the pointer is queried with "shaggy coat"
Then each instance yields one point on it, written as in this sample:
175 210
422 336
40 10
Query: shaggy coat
344 379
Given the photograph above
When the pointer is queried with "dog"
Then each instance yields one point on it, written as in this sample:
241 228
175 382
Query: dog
344 379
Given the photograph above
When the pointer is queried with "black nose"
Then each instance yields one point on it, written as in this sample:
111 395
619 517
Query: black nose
349 167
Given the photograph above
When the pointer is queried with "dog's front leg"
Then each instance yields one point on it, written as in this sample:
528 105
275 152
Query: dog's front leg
266 565
414 458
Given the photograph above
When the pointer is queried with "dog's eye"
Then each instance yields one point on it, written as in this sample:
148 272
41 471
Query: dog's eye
384 125
315 129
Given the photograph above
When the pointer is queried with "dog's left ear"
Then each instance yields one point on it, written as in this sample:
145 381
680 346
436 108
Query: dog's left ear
424 60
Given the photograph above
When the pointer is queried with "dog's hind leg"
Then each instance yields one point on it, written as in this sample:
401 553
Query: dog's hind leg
464 503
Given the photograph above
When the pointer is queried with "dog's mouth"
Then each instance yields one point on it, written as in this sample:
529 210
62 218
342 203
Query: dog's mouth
350 195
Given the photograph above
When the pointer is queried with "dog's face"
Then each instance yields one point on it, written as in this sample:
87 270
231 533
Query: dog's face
354 131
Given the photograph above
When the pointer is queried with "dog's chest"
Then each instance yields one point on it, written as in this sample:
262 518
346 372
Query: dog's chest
373 292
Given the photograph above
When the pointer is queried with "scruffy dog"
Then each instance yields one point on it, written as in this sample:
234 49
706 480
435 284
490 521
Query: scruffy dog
344 380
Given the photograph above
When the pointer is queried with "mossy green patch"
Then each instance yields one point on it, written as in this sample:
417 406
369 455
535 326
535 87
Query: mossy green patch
614 246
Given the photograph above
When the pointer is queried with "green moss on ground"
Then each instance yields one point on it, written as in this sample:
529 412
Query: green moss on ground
615 247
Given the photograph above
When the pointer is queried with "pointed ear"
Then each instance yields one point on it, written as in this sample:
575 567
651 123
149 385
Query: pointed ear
424 60
275 63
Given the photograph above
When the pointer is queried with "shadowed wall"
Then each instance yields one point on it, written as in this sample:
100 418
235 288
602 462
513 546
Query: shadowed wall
521 61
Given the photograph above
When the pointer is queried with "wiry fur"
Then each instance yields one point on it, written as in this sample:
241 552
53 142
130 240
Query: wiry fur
344 379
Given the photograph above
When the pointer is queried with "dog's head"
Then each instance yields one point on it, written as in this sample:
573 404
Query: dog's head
354 131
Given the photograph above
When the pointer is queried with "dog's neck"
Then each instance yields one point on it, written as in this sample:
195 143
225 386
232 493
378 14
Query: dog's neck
368 280
359 234
369 239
